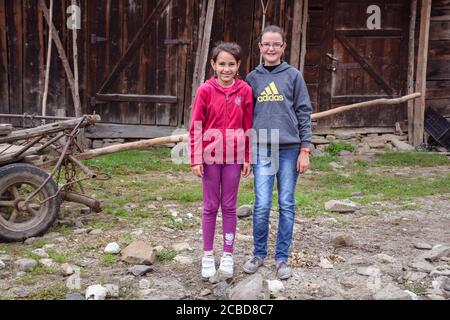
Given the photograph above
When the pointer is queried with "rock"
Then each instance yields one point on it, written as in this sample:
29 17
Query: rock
318 140
317 153
159 199
252 288
219 277
25 265
384 258
2 265
412 295
391 292
139 252
5 258
152 207
369 271
49 246
205 292
112 248
40 253
358 195
421 266
344 135
159 248
75 297
112 290
437 253
67 269
168 230
96 232
402 146
30 241
341 206
145 284
48 263
73 282
441 283
245 211
220 289
183 260
180 247
275 287
440 272
140 270
413 276
80 231
423 246
325 263
85 210
52 235
343 241
96 292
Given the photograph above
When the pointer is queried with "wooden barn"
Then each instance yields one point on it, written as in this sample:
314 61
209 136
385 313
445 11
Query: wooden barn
139 60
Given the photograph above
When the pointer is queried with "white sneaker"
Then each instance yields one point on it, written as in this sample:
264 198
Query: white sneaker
208 266
227 264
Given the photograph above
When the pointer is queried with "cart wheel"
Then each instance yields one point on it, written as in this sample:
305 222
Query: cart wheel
20 220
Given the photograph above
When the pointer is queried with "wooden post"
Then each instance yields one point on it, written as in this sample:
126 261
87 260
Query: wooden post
201 31
206 40
296 34
412 55
304 35
49 59
421 81
77 102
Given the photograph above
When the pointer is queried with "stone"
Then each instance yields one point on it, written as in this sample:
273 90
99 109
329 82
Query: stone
25 265
392 292
40 253
245 211
5 258
402 146
96 292
96 232
413 276
441 283
423 246
368 271
2 265
343 241
145 284
73 282
384 258
220 289
139 252
75 297
168 230
67 269
220 276
436 253
344 135
112 290
252 288
421 266
48 263
30 241
80 231
112 248
440 272
319 140
140 270
85 210
341 206
205 292
180 247
325 263
184 260
97 144
275 287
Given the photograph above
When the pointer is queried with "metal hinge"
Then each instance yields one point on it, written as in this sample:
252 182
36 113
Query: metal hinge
176 41
95 39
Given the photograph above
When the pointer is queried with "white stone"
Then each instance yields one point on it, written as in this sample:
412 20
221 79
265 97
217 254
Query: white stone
384 258
368 271
184 260
325 263
40 253
402 146
112 248
96 292
275 286
423 246
67 270
341 206
48 263
179 247
2 265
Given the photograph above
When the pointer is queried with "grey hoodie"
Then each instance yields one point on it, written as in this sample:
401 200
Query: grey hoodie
282 102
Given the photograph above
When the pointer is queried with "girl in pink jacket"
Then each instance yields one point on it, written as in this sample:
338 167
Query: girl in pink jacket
220 150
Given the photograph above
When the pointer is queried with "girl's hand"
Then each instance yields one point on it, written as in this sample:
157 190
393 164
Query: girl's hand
303 163
246 170
198 171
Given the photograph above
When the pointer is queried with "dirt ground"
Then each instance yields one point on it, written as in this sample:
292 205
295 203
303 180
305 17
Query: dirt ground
382 236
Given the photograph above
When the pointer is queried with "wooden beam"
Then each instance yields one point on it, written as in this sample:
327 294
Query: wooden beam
411 59
201 31
136 98
120 131
421 80
138 40
304 35
296 34
206 40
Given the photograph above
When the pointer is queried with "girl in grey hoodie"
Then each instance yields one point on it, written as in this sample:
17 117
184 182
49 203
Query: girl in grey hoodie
282 120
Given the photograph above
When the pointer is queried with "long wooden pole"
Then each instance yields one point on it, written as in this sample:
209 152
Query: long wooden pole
296 40
412 55
206 39
49 60
304 35
421 81
77 102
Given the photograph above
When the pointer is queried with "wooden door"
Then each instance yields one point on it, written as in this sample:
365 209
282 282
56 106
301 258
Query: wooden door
138 61
366 59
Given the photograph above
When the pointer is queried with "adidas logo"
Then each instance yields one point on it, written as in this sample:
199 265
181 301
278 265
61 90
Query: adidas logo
271 94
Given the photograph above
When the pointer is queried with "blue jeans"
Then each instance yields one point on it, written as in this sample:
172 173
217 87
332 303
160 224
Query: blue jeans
283 165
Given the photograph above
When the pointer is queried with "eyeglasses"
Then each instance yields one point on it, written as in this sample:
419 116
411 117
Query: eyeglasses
275 45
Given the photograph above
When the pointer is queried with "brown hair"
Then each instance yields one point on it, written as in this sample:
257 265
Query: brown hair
230 47
273 29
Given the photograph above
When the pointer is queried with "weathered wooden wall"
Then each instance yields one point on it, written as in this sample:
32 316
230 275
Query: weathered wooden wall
163 67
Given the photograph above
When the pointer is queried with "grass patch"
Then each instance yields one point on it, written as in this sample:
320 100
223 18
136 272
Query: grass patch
411 159
322 163
54 292
56 256
166 256
335 148
109 259
416 288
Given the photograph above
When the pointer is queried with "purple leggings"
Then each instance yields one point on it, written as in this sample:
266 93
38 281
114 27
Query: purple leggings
220 188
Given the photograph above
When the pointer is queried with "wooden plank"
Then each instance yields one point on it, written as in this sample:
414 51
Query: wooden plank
119 131
15 56
296 34
32 59
438 70
327 38
364 64
440 30
137 98
135 44
4 77
421 80
182 53
304 35
411 59
5 129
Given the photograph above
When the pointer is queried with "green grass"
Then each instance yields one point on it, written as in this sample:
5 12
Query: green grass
57 256
109 259
54 292
411 159
322 163
136 162
335 148
166 256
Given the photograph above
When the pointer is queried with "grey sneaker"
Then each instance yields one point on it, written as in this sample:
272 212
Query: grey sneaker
252 265
284 272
